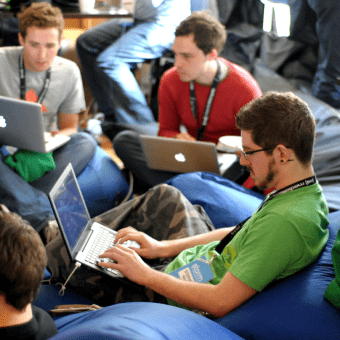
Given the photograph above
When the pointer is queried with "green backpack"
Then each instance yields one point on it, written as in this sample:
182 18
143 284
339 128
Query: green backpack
332 293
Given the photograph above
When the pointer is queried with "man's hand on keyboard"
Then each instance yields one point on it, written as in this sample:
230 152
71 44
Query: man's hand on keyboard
129 263
149 247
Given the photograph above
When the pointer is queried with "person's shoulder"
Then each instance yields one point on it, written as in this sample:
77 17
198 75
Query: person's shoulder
305 201
47 327
65 68
237 70
10 52
63 63
239 76
171 78
171 73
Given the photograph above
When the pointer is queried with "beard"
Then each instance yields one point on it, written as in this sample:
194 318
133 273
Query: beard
266 183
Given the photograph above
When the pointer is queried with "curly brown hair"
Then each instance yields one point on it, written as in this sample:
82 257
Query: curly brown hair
42 15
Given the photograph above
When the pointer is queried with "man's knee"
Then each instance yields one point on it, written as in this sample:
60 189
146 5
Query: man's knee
85 140
167 190
124 140
82 40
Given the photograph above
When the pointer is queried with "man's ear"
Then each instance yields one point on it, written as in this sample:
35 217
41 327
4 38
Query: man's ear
213 54
282 153
21 39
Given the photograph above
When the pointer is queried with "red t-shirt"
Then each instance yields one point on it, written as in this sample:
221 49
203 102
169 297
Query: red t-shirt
238 89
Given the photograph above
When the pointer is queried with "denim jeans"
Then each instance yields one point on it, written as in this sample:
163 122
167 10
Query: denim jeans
317 22
107 54
29 200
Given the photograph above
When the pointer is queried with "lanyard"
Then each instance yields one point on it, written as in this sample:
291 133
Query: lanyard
22 75
305 182
193 101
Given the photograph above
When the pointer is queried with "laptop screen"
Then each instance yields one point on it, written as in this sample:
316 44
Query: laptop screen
70 207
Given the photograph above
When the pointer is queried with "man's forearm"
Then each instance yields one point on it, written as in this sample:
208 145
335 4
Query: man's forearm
174 247
215 299
68 131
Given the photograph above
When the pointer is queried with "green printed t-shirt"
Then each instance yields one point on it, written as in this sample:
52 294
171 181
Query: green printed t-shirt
286 235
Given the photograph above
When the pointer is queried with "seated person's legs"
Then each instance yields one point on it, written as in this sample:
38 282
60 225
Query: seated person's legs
313 23
128 148
20 197
78 151
110 60
325 83
89 45
146 40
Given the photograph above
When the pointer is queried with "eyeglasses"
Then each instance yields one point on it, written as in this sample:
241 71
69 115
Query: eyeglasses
252 152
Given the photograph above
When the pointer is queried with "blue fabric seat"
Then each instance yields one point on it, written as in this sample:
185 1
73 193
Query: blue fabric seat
48 297
225 202
140 320
102 183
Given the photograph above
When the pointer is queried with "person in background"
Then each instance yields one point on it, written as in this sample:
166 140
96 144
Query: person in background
23 261
34 72
184 93
316 23
109 51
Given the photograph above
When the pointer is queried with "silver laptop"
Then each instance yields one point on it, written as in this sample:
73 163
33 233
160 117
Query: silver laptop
171 154
84 239
21 126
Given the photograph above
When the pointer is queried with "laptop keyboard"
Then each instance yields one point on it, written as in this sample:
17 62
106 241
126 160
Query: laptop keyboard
104 240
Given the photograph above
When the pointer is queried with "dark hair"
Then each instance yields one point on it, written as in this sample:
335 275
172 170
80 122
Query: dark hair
22 260
208 32
280 118
42 15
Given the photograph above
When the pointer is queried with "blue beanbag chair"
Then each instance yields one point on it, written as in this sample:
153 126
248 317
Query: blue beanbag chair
295 307
102 183
140 320
225 202
48 297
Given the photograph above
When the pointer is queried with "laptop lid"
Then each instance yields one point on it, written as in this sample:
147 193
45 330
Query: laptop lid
21 126
174 155
76 227
70 211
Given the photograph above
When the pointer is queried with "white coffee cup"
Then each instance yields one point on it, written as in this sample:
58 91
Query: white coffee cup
86 5
230 144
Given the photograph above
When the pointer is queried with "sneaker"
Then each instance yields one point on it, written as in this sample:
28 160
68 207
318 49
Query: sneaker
50 232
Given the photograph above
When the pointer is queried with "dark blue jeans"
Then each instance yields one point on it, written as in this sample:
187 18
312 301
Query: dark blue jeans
317 22
29 200
107 54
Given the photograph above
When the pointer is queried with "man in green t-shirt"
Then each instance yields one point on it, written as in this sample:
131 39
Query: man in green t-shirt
286 233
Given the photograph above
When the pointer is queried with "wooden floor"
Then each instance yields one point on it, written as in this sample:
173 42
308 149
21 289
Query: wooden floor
106 145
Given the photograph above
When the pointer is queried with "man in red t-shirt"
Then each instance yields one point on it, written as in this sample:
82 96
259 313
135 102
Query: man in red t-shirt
197 78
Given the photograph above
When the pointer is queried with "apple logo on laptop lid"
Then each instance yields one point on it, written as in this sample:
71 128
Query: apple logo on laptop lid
180 157
3 123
